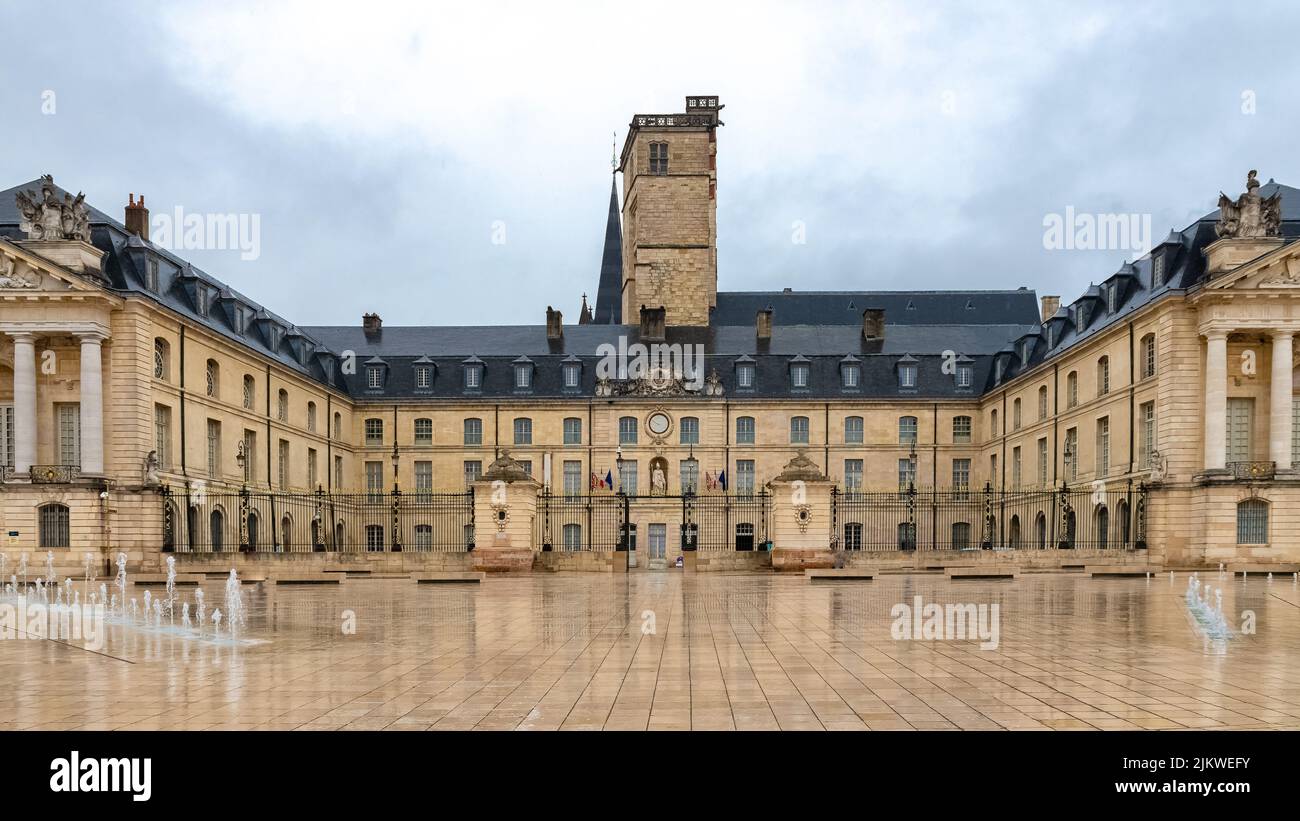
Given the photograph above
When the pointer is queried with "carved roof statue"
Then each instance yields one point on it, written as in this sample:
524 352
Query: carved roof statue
801 468
506 469
1250 216
46 217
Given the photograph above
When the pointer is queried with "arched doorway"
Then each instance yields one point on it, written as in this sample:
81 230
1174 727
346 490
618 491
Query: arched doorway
217 529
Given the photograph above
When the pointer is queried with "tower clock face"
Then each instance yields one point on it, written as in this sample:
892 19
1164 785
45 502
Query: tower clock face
659 423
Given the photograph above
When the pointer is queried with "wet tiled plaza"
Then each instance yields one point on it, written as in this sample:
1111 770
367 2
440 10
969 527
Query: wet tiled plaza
669 650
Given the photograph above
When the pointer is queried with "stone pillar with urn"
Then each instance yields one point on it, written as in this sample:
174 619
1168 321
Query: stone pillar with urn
801 516
505 507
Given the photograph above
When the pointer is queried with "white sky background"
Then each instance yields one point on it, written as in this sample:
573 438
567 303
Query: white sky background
920 144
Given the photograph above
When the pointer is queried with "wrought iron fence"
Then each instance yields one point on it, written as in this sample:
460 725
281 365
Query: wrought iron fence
725 522
580 522
260 522
921 518
605 522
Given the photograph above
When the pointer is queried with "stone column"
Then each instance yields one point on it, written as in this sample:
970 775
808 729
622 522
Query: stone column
92 405
1279 425
24 402
1216 399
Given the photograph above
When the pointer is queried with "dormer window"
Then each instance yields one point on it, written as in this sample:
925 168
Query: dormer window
907 374
1157 270
423 377
1112 297
799 372
745 375
473 374
151 275
965 376
374 377
572 372
523 374
202 300
850 374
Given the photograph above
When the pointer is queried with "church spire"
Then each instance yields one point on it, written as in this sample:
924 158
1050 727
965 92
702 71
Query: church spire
609 294
584 315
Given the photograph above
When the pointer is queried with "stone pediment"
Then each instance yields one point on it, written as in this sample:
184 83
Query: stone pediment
21 271
1278 269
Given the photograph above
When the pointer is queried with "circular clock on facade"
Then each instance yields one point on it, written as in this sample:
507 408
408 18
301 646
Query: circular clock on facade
659 423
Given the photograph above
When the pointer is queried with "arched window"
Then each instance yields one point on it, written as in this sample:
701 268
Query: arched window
627 430
907 430
424 538
1103 376
853 430
1042 403
250 391
853 535
1015 414
161 359
424 431
1252 522
212 378
253 521
217 529
1040 530
286 532
338 426
54 525
282 405
340 535
1071 389
1013 534
1101 523
799 430
1121 512
993 424
573 537
1147 356
745 536
311 416
906 536
960 535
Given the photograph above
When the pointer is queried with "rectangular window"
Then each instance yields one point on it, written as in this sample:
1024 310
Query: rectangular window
572 478
745 477
7 435
69 416
907 376
745 430
523 431
689 431
423 477
1042 462
151 275
627 476
473 377
852 475
965 375
853 430
423 377
162 433
473 431
906 473
690 475
214 449
850 375
799 430
659 158
423 431
374 432
572 375
250 456
374 377
284 463
573 431
374 479
523 376
960 474
798 376
1241 417
1102 452
961 427
473 470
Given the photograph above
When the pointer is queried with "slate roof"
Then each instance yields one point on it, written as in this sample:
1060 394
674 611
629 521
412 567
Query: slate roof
997 333
609 293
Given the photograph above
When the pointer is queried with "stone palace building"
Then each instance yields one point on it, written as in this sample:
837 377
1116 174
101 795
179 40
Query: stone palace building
149 409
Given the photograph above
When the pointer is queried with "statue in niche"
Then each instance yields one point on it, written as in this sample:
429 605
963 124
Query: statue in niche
151 468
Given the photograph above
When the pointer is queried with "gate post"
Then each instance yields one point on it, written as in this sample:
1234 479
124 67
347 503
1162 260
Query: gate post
505 508
801 516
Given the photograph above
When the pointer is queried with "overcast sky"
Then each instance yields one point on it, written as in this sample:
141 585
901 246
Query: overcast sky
919 145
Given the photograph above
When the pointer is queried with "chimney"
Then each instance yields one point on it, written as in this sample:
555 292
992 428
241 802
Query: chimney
653 324
873 323
1051 304
554 324
763 323
372 325
137 217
